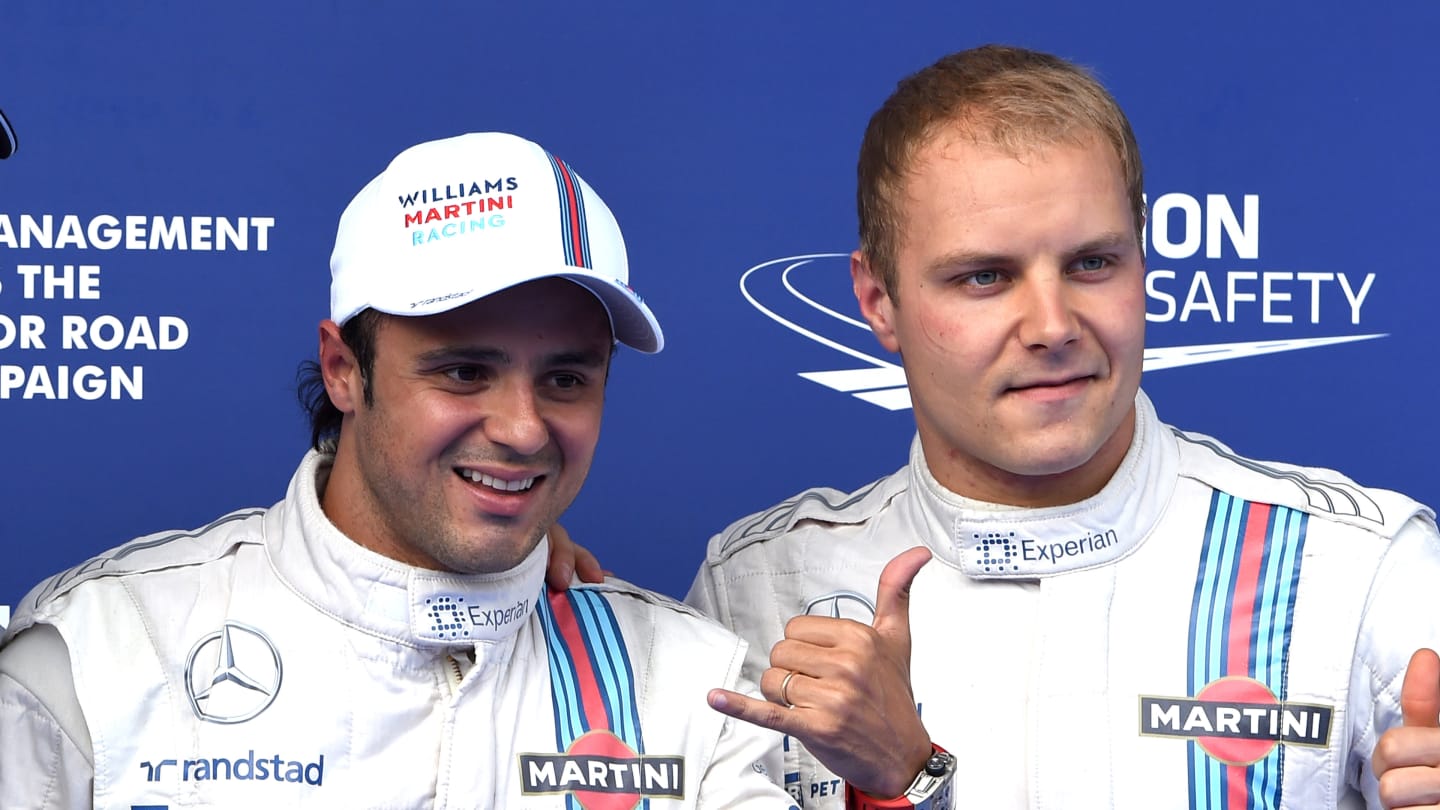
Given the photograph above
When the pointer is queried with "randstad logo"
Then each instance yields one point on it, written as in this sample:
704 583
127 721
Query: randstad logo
245 769
1199 253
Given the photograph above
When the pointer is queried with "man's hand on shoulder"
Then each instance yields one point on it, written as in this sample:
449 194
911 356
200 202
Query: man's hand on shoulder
843 689
568 560
1407 758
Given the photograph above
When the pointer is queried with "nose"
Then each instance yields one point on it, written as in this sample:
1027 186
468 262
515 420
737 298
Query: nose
1048 319
514 419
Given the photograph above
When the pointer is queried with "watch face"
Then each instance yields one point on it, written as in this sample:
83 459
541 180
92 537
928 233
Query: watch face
934 788
939 763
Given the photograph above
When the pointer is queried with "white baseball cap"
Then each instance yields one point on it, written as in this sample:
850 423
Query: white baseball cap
454 220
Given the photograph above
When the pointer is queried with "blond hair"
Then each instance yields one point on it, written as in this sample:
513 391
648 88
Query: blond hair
1015 99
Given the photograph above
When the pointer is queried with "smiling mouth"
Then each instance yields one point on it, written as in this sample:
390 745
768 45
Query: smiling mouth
498 484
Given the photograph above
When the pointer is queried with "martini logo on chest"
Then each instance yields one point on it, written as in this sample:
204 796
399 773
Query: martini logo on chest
603 773
1236 720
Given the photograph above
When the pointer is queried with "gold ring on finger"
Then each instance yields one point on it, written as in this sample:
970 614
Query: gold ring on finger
785 690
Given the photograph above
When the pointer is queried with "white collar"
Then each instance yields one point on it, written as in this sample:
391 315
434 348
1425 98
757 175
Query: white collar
385 597
993 541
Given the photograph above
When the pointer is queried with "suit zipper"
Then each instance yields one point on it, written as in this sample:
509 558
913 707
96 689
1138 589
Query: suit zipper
453 670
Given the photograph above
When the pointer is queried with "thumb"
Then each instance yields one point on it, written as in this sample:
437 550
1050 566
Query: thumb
1420 692
892 597
561 567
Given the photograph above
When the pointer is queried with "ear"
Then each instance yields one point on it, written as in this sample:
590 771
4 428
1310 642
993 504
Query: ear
874 299
339 370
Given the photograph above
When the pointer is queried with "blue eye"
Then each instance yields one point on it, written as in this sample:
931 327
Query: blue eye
984 278
1092 263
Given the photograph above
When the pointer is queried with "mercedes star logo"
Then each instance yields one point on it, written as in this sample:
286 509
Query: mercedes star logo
842 605
233 674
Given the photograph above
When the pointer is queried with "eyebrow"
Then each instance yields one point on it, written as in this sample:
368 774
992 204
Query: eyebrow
967 258
583 358
1110 241
472 354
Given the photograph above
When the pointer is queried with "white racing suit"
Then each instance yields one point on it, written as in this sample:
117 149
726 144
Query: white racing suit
268 661
1205 632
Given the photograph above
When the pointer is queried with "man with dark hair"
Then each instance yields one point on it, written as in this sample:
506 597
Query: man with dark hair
382 637
1118 613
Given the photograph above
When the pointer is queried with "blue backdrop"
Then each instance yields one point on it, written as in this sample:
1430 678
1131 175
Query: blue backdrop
1291 167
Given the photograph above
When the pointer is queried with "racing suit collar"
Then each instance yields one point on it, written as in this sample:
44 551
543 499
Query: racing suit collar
386 598
994 541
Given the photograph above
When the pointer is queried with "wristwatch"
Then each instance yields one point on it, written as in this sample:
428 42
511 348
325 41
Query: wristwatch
933 788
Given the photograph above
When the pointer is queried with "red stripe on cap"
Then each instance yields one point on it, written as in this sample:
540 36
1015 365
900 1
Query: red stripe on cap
573 204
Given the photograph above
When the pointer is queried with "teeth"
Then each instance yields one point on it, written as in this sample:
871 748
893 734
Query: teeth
499 483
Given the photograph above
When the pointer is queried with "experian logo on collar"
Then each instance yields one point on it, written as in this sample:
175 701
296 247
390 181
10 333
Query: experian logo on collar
1034 551
810 295
449 617
999 555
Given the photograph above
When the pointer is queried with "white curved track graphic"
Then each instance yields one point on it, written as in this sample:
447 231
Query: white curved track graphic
882 382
